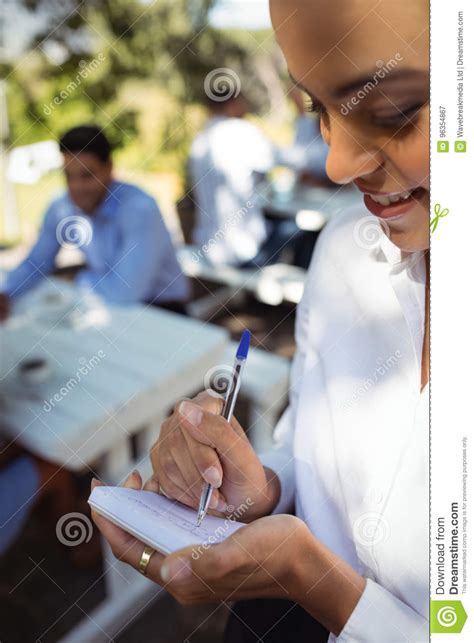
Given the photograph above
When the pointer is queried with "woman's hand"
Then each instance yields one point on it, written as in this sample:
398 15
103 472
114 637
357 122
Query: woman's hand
273 557
276 556
195 445
257 560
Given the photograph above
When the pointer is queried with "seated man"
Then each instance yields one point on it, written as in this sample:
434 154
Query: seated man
129 253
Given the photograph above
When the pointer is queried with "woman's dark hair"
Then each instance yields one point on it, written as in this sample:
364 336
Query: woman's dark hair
86 138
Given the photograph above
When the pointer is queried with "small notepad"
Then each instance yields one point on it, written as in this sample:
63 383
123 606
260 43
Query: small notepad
166 525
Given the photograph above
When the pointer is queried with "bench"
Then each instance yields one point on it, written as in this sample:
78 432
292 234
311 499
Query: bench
272 284
265 384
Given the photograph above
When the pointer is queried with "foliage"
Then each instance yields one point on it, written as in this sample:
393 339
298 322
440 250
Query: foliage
89 57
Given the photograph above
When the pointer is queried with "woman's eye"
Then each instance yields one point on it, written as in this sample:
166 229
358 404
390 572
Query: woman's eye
399 118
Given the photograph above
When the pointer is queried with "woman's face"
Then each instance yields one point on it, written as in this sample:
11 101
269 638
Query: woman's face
365 66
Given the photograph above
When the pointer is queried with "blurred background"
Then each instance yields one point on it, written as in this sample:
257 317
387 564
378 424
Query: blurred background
136 69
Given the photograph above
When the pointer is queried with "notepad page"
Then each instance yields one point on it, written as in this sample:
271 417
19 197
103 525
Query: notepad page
164 524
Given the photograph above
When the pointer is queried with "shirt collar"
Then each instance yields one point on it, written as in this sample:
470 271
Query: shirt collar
106 208
398 259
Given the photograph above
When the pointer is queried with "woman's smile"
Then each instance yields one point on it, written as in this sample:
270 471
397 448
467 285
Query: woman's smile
393 205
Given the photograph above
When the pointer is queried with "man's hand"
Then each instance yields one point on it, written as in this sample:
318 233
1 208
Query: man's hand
4 306
195 445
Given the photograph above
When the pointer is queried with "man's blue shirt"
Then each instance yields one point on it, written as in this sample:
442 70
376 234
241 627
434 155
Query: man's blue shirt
128 249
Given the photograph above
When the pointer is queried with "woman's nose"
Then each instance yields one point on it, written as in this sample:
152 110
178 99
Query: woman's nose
349 156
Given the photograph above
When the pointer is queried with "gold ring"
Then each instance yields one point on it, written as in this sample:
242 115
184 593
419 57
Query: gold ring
145 559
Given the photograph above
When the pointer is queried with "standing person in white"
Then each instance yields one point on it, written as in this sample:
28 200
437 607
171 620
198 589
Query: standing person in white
352 448
225 160
228 159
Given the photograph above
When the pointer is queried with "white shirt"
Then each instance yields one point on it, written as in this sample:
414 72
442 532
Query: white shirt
230 226
352 447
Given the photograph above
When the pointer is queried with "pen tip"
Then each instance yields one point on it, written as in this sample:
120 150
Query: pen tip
244 345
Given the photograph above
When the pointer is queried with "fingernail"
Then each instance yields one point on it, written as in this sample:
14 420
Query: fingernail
221 505
152 485
94 483
191 412
176 571
212 476
213 503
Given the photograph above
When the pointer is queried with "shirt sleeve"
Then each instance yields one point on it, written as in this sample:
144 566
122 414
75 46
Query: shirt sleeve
280 458
40 260
381 616
145 243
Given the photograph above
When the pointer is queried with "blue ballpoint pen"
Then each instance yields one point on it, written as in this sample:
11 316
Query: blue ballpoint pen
227 410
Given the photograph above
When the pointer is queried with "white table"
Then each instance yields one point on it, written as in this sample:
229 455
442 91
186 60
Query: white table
115 373
311 207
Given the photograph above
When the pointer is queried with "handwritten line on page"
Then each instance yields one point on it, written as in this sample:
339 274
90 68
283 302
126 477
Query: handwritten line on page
166 525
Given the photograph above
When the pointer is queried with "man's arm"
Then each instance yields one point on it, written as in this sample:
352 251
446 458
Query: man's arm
40 260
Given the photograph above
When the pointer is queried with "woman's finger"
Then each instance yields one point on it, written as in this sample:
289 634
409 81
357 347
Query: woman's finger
167 459
232 446
192 475
184 459
133 480
211 403
152 484
218 501
205 461
172 482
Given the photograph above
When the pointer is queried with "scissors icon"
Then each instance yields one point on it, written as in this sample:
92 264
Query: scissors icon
438 215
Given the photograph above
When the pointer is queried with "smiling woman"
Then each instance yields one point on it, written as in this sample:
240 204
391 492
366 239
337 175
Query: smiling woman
334 50
353 562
